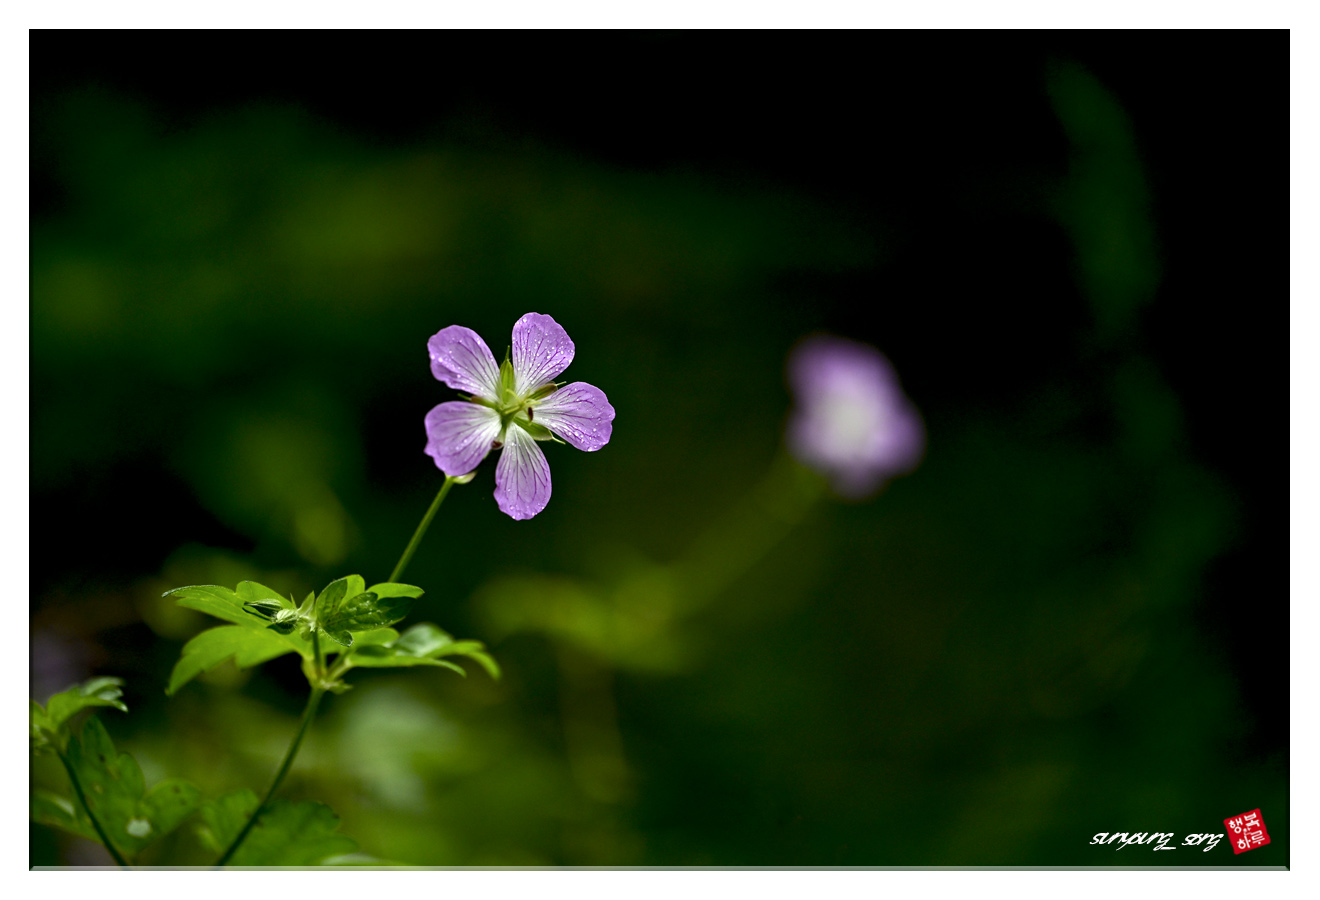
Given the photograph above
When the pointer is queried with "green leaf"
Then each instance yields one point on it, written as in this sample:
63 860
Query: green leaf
248 646
39 723
344 607
366 612
423 645
252 606
48 808
288 833
217 601
388 657
390 589
224 817
168 804
376 636
423 639
474 650
94 692
251 592
113 785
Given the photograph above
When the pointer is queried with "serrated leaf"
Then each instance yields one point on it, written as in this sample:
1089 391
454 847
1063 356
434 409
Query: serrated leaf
48 808
366 612
375 637
216 601
427 641
388 657
474 650
391 589
420 645
288 833
251 592
93 692
267 609
248 646
113 786
423 639
224 817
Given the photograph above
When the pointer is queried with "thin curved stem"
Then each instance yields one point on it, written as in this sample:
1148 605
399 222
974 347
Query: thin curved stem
308 714
421 530
82 798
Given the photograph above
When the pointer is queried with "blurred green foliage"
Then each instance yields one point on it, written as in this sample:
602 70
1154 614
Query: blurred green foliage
708 660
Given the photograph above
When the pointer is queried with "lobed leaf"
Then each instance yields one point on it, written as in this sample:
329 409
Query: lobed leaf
365 612
113 786
248 646
424 645
289 833
391 589
93 692
48 808
224 817
216 601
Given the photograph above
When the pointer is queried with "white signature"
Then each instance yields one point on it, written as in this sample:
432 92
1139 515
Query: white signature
1123 839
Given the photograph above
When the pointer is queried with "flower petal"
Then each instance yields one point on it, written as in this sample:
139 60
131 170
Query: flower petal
461 359
522 477
541 350
459 435
579 413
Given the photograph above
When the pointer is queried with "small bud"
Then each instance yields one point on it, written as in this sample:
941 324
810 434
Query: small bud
267 609
464 479
285 621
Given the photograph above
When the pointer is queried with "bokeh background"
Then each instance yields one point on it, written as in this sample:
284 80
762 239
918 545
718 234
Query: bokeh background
1068 620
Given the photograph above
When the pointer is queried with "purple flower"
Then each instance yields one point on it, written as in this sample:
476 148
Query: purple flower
512 406
852 422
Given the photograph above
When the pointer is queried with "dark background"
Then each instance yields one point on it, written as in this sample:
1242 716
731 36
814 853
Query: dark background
1060 625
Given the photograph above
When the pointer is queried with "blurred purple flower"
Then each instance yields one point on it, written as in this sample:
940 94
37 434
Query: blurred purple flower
852 422
512 406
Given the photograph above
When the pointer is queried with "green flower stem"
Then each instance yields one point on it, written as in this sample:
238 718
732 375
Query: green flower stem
308 714
82 798
421 530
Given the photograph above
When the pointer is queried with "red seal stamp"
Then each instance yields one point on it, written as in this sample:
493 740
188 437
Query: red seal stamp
1246 832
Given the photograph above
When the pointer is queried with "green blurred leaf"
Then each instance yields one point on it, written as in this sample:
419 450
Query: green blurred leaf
94 692
48 808
224 817
423 639
474 650
423 645
248 646
39 723
288 833
113 785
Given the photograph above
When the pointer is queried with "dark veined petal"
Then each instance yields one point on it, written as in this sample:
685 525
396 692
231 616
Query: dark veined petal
461 359
579 413
522 477
541 350
459 435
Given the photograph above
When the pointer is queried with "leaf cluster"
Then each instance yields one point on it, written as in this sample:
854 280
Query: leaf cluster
353 619
109 790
